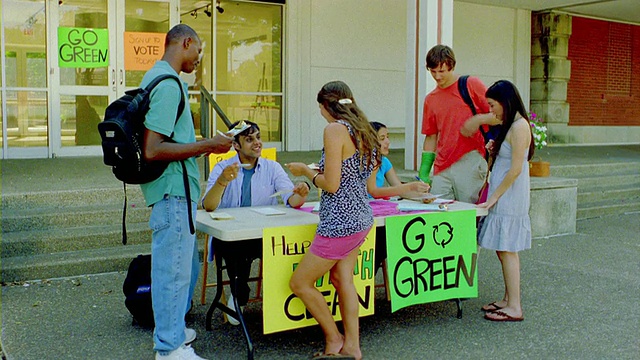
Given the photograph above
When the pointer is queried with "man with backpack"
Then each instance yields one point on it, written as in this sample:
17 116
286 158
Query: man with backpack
453 145
174 253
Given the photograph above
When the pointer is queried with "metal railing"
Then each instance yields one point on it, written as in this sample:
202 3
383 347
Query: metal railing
206 121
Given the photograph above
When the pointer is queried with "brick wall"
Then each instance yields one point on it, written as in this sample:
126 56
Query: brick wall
604 88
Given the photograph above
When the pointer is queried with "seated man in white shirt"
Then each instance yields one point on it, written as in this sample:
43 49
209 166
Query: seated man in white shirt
247 180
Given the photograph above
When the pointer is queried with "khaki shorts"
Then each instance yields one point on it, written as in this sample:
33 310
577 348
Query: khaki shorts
463 180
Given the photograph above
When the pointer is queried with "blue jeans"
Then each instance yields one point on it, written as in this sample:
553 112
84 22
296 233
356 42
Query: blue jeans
174 270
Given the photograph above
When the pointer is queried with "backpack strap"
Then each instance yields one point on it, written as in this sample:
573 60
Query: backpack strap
157 81
187 194
463 89
464 93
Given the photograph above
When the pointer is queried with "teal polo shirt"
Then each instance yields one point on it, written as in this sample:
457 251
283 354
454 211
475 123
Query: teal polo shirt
161 118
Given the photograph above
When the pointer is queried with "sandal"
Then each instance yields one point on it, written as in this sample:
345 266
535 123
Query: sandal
491 307
321 355
502 317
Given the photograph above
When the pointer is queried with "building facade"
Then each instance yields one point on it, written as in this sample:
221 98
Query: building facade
64 61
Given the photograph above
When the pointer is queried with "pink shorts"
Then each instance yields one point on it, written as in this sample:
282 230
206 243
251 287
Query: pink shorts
337 248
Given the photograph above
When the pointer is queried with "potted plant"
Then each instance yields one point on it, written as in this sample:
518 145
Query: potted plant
539 131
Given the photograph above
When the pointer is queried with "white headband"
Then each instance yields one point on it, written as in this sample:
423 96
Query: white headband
345 101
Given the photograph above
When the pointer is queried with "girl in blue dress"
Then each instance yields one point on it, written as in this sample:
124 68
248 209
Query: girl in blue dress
507 227
377 189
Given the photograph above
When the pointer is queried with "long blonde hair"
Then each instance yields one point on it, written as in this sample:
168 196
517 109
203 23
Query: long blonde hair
364 137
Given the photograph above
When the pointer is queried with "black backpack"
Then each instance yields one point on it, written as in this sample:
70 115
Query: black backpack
464 93
137 291
122 133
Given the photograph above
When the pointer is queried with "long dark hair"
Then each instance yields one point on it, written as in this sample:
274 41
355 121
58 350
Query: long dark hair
504 92
378 125
364 137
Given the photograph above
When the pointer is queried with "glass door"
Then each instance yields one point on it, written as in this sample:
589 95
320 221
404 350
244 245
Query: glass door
242 63
23 84
248 65
103 48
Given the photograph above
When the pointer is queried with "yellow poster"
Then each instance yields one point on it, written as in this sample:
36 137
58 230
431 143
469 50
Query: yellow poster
282 250
142 50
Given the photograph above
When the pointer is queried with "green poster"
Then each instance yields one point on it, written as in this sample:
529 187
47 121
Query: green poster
431 257
83 47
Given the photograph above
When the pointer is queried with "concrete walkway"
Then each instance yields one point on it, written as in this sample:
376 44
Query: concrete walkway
580 298
580 294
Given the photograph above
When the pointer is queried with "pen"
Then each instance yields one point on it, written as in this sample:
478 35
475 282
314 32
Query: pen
280 193
418 178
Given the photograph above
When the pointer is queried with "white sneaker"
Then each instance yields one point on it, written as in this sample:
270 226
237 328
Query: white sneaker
189 336
184 352
232 306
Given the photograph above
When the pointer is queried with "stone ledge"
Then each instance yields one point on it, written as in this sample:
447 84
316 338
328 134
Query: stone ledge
552 182
554 203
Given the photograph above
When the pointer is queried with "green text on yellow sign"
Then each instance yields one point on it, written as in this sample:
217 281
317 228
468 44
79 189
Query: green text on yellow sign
282 250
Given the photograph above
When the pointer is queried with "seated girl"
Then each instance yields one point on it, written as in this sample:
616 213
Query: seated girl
376 188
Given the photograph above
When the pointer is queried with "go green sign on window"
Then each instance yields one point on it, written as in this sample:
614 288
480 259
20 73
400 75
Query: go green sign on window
83 47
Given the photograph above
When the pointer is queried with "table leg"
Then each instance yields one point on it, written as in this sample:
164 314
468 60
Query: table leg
223 307
238 315
459 304
219 289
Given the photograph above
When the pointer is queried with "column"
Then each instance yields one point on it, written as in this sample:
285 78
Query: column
429 22
551 71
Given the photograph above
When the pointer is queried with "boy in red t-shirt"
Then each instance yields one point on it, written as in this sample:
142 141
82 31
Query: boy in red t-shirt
453 144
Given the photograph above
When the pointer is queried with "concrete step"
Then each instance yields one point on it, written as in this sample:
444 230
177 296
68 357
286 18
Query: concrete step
72 263
604 208
589 170
37 242
73 198
78 216
601 182
608 193
604 188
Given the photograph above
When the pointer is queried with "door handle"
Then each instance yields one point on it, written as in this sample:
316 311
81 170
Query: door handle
121 77
113 76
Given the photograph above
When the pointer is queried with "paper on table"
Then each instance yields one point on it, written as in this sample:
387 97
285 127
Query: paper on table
442 201
418 206
414 195
219 215
268 211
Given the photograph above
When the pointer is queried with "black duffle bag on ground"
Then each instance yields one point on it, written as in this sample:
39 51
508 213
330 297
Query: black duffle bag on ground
137 291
